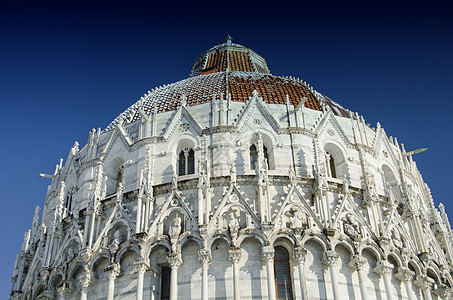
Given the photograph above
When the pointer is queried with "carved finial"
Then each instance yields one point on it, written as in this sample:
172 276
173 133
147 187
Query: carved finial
255 93
183 100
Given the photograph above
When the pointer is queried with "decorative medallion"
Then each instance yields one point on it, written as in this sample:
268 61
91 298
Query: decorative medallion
233 198
183 127
258 121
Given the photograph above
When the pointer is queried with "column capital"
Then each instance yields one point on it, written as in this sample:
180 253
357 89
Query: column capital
204 256
330 258
357 262
443 292
268 253
234 254
61 290
112 271
300 255
424 282
85 280
174 259
383 267
141 265
404 274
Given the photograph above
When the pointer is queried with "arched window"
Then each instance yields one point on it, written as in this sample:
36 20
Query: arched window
282 273
254 156
331 169
186 162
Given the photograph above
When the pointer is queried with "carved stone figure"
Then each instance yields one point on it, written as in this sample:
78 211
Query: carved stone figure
297 219
292 175
233 174
396 238
233 225
175 228
344 179
174 182
174 231
351 226
71 255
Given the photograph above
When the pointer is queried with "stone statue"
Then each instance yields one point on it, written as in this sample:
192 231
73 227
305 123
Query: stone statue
396 238
174 182
297 219
233 174
292 175
175 228
116 237
174 231
351 227
233 225
344 179
71 255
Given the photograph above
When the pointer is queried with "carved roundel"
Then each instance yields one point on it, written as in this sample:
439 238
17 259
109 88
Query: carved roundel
294 198
233 198
258 121
183 127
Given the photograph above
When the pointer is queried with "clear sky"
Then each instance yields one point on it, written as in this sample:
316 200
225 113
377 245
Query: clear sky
69 66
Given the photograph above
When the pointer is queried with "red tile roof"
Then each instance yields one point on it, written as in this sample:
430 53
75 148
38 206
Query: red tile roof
229 69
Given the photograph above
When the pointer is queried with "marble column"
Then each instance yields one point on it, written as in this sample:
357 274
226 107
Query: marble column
425 284
139 214
268 256
405 275
112 272
384 268
85 282
357 262
175 262
300 255
204 256
140 265
61 291
234 254
330 260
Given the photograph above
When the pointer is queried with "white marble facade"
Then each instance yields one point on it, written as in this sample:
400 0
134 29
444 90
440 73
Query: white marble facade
322 207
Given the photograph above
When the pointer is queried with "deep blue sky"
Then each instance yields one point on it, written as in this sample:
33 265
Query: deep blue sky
66 68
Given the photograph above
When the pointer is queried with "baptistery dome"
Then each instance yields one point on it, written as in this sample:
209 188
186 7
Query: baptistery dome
236 184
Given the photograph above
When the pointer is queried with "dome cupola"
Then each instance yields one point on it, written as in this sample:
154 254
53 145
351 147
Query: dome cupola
229 57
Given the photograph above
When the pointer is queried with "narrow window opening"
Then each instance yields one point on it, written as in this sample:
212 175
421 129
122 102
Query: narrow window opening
182 163
191 162
282 273
165 283
68 202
